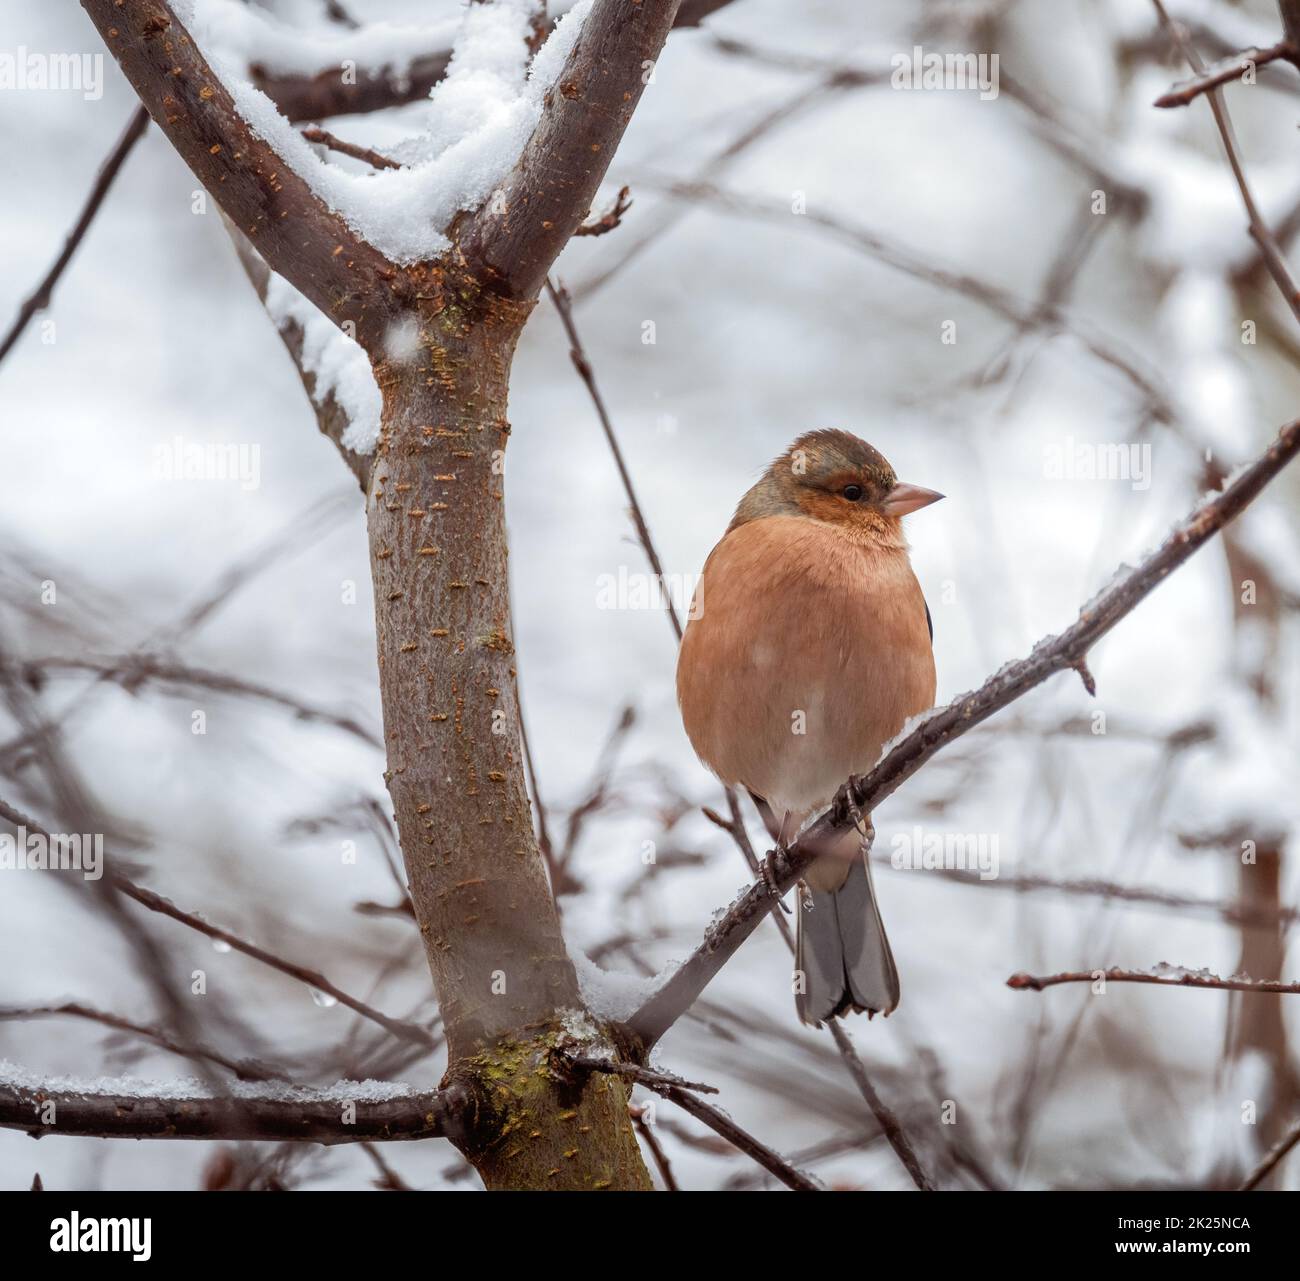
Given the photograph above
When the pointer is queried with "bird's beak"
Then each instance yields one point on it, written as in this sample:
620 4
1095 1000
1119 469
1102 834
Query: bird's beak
904 498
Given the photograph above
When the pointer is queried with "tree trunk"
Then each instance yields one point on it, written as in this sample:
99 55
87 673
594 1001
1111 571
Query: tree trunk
451 722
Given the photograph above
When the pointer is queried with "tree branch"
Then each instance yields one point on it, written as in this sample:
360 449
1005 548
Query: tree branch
245 1070
302 1115
557 177
720 1123
130 671
39 299
1223 72
1171 977
1270 250
331 417
1064 651
325 94
1271 1160
289 225
686 1095
564 305
156 903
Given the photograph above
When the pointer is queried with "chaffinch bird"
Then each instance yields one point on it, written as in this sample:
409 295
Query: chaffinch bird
809 646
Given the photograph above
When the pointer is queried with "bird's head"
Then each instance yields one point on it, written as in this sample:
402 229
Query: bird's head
835 477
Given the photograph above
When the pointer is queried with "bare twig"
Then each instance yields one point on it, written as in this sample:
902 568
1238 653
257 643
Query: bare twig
686 1095
39 299
657 1153
1223 72
1020 312
245 1069
563 304
324 138
389 1180
1172 978
1270 250
652 1078
133 670
313 978
889 1123
720 1123
1271 1159
156 903
612 217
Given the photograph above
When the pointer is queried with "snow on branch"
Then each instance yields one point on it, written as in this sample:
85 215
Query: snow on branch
548 193
290 225
335 370
306 82
926 735
126 1107
1162 975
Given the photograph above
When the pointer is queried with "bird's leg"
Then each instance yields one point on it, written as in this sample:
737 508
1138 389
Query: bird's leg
768 878
866 828
782 838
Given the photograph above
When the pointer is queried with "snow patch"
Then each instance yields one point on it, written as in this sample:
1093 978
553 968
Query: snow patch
336 361
613 995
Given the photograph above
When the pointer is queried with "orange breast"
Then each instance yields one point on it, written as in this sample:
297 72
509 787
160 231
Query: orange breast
808 651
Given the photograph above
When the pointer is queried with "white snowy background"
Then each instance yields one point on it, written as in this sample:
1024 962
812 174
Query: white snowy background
767 323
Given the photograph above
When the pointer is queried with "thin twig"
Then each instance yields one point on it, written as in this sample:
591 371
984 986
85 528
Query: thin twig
889 1123
156 903
1271 1159
1223 72
1270 250
389 1180
40 297
657 1153
563 304
720 1123
130 671
245 1069
1019 312
326 139
686 1095
652 1078
313 978
1174 978
612 218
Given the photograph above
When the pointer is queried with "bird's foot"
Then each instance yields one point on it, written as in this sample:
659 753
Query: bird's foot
768 877
805 896
866 828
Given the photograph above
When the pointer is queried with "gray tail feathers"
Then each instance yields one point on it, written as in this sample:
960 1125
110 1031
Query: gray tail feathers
843 956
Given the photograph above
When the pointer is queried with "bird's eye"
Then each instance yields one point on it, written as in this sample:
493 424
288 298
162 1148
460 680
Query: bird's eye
852 492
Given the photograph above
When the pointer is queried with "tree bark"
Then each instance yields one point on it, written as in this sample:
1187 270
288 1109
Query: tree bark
451 723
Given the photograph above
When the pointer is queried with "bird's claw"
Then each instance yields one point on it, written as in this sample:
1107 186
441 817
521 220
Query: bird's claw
865 827
768 877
